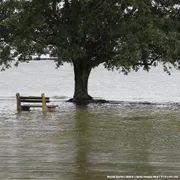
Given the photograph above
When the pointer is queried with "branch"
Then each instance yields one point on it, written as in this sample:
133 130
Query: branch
66 3
101 58
145 63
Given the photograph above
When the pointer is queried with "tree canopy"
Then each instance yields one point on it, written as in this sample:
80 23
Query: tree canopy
121 34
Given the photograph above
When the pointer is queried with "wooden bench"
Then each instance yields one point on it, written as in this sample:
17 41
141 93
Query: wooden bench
38 102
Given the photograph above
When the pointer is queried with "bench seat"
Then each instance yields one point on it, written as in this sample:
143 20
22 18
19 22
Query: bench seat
26 107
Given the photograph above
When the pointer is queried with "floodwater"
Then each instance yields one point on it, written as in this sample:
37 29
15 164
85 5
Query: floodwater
96 142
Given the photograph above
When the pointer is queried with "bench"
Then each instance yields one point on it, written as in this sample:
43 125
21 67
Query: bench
34 102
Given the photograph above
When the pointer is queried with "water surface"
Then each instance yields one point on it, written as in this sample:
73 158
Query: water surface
92 142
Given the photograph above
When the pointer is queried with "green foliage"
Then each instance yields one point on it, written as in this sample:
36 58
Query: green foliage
122 34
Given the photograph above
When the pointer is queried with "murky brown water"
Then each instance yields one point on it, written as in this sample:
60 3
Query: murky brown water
90 143
94 142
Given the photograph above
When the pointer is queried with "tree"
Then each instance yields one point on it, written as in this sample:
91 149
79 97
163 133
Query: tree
121 34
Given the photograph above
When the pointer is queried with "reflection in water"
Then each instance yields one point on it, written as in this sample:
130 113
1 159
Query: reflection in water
95 141
83 142
139 140
92 142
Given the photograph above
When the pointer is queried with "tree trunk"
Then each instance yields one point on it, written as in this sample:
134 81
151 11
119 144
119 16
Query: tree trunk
81 76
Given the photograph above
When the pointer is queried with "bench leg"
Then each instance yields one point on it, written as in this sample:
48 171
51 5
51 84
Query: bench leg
19 109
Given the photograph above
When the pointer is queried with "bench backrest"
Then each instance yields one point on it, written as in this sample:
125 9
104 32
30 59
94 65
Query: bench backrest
33 99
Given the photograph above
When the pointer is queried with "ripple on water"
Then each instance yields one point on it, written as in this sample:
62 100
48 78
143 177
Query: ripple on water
90 142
